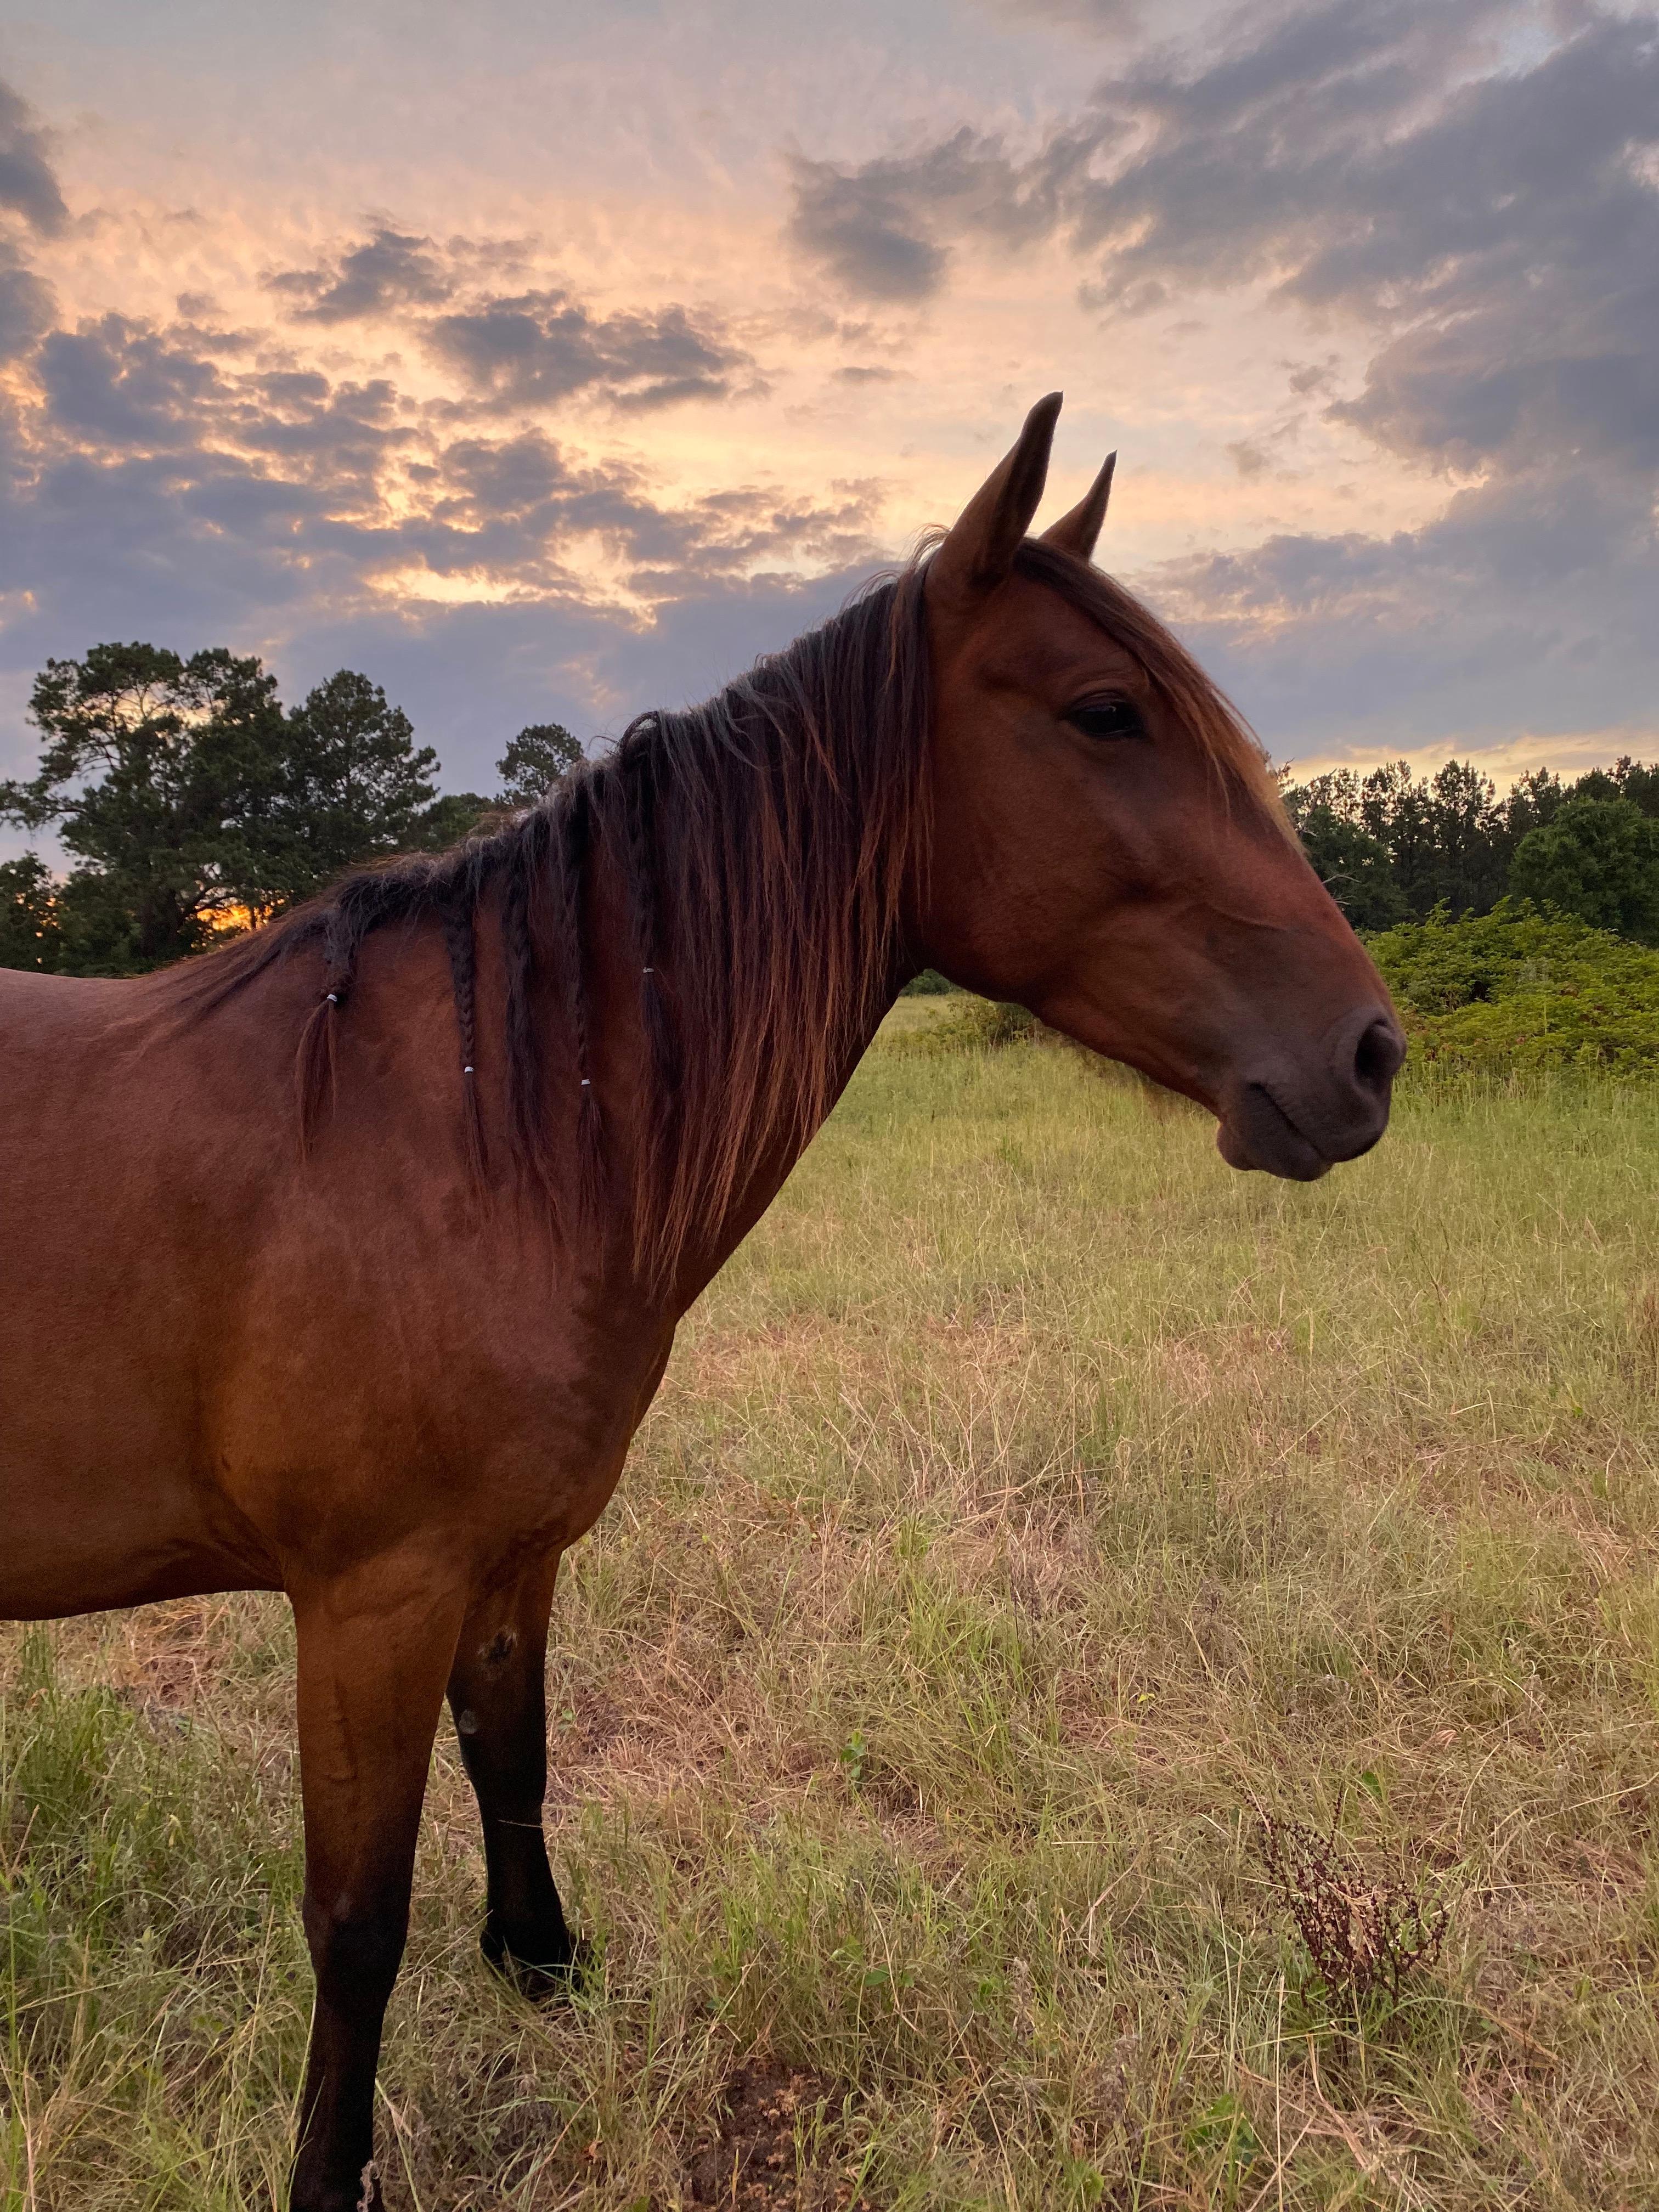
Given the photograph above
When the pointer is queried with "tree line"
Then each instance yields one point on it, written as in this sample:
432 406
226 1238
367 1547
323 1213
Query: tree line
190 802
1392 847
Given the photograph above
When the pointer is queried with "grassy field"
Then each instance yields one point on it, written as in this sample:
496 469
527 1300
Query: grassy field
1031 1508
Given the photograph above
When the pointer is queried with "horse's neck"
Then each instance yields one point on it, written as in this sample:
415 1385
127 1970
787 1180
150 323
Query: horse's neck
767 1033
626 1090
707 1253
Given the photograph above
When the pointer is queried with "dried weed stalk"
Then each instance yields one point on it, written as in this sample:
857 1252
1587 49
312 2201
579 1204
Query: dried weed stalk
1364 1937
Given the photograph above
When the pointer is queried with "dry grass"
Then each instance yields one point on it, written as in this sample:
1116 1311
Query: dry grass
1031 1508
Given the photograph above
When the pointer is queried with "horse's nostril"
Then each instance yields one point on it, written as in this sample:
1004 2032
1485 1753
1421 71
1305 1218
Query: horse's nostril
1377 1055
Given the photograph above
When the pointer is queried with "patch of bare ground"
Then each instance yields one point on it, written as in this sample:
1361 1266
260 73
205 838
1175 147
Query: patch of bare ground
778 2146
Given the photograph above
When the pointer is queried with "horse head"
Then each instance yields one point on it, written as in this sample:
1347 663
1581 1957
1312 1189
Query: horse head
1107 848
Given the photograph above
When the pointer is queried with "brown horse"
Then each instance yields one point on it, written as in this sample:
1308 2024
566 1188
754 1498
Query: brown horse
384 1347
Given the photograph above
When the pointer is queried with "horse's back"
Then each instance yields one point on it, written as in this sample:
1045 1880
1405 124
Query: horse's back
73 1105
29 999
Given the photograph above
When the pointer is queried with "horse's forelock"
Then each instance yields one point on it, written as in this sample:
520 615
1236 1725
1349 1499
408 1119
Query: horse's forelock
1203 710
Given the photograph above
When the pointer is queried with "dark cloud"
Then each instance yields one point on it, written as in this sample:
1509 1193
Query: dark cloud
29 200
877 230
1526 607
388 274
191 483
1266 158
1498 230
27 184
138 404
124 384
535 348
1187 170
28 306
865 227
1503 235
504 478
528 349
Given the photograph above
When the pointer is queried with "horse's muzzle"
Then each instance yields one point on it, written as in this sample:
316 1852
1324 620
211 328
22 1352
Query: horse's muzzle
1297 1117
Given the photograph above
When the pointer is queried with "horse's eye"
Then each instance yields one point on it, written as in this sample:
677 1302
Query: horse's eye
1107 719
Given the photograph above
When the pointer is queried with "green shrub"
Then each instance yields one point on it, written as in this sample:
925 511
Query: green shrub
974 1025
1516 992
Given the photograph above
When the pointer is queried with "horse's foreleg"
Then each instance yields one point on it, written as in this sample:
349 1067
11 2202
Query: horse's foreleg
497 1694
374 1650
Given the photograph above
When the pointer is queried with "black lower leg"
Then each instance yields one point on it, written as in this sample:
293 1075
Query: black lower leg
357 1963
497 1695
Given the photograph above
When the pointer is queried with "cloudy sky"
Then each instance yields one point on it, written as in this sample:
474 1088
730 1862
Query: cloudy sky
549 360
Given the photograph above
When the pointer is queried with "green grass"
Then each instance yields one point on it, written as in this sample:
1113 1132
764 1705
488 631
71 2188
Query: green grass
1030 1506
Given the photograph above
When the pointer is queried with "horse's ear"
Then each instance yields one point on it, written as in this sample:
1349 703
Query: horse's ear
979 551
1076 531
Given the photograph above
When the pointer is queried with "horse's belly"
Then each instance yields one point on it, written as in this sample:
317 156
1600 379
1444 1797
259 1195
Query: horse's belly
53 1573
99 1502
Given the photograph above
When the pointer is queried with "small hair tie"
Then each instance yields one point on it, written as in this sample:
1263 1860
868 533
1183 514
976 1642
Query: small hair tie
647 971
467 1068
586 1086
333 997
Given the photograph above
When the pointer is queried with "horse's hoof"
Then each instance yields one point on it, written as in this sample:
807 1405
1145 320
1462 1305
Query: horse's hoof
551 1972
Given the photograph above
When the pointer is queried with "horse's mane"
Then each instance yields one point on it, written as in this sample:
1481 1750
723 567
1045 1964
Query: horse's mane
765 840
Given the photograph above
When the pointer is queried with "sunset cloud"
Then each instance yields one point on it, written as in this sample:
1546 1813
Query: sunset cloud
538 347
28 185
387 272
